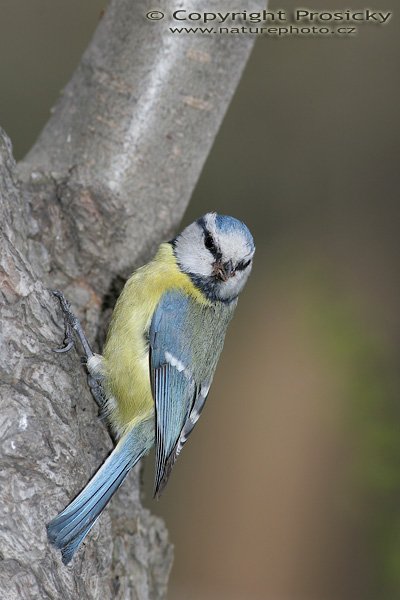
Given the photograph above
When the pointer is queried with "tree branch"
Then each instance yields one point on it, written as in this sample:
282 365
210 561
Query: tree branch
134 126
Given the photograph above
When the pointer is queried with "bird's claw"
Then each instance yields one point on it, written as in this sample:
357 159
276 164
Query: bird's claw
65 348
69 318
65 305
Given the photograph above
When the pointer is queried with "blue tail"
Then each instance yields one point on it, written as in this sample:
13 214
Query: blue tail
68 530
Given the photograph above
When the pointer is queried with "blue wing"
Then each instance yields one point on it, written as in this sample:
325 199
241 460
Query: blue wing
178 397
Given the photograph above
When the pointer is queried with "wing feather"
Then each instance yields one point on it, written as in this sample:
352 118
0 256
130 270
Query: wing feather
178 396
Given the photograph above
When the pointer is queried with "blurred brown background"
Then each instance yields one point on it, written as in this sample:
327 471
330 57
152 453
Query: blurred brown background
290 487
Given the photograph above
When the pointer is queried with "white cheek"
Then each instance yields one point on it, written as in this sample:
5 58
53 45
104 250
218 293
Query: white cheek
191 254
200 263
234 285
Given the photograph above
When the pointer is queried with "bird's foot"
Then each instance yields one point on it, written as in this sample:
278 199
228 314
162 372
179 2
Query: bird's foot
69 318
71 323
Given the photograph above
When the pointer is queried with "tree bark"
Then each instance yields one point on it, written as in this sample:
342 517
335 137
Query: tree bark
107 180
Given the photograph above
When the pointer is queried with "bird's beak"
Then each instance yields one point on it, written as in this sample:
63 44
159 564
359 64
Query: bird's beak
223 271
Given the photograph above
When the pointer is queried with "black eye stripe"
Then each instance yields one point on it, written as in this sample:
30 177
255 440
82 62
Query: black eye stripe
208 241
243 265
210 244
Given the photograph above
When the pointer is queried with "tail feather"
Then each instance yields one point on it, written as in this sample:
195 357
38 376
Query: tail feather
68 530
69 541
68 551
74 523
110 469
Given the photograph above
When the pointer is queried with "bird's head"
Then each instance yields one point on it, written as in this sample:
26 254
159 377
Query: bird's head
216 251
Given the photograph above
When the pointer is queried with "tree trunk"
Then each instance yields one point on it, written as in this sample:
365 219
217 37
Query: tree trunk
108 180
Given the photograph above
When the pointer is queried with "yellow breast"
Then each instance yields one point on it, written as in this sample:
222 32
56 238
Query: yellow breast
126 353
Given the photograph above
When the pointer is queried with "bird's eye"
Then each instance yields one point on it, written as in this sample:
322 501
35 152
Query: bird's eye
243 265
209 242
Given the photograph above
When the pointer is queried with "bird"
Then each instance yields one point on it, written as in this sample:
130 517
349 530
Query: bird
161 351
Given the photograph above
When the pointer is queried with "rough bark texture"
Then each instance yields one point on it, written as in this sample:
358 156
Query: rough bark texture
107 180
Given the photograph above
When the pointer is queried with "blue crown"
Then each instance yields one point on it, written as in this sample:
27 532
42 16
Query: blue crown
229 224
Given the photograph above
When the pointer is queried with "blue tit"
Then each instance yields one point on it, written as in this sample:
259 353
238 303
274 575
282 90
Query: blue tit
160 355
